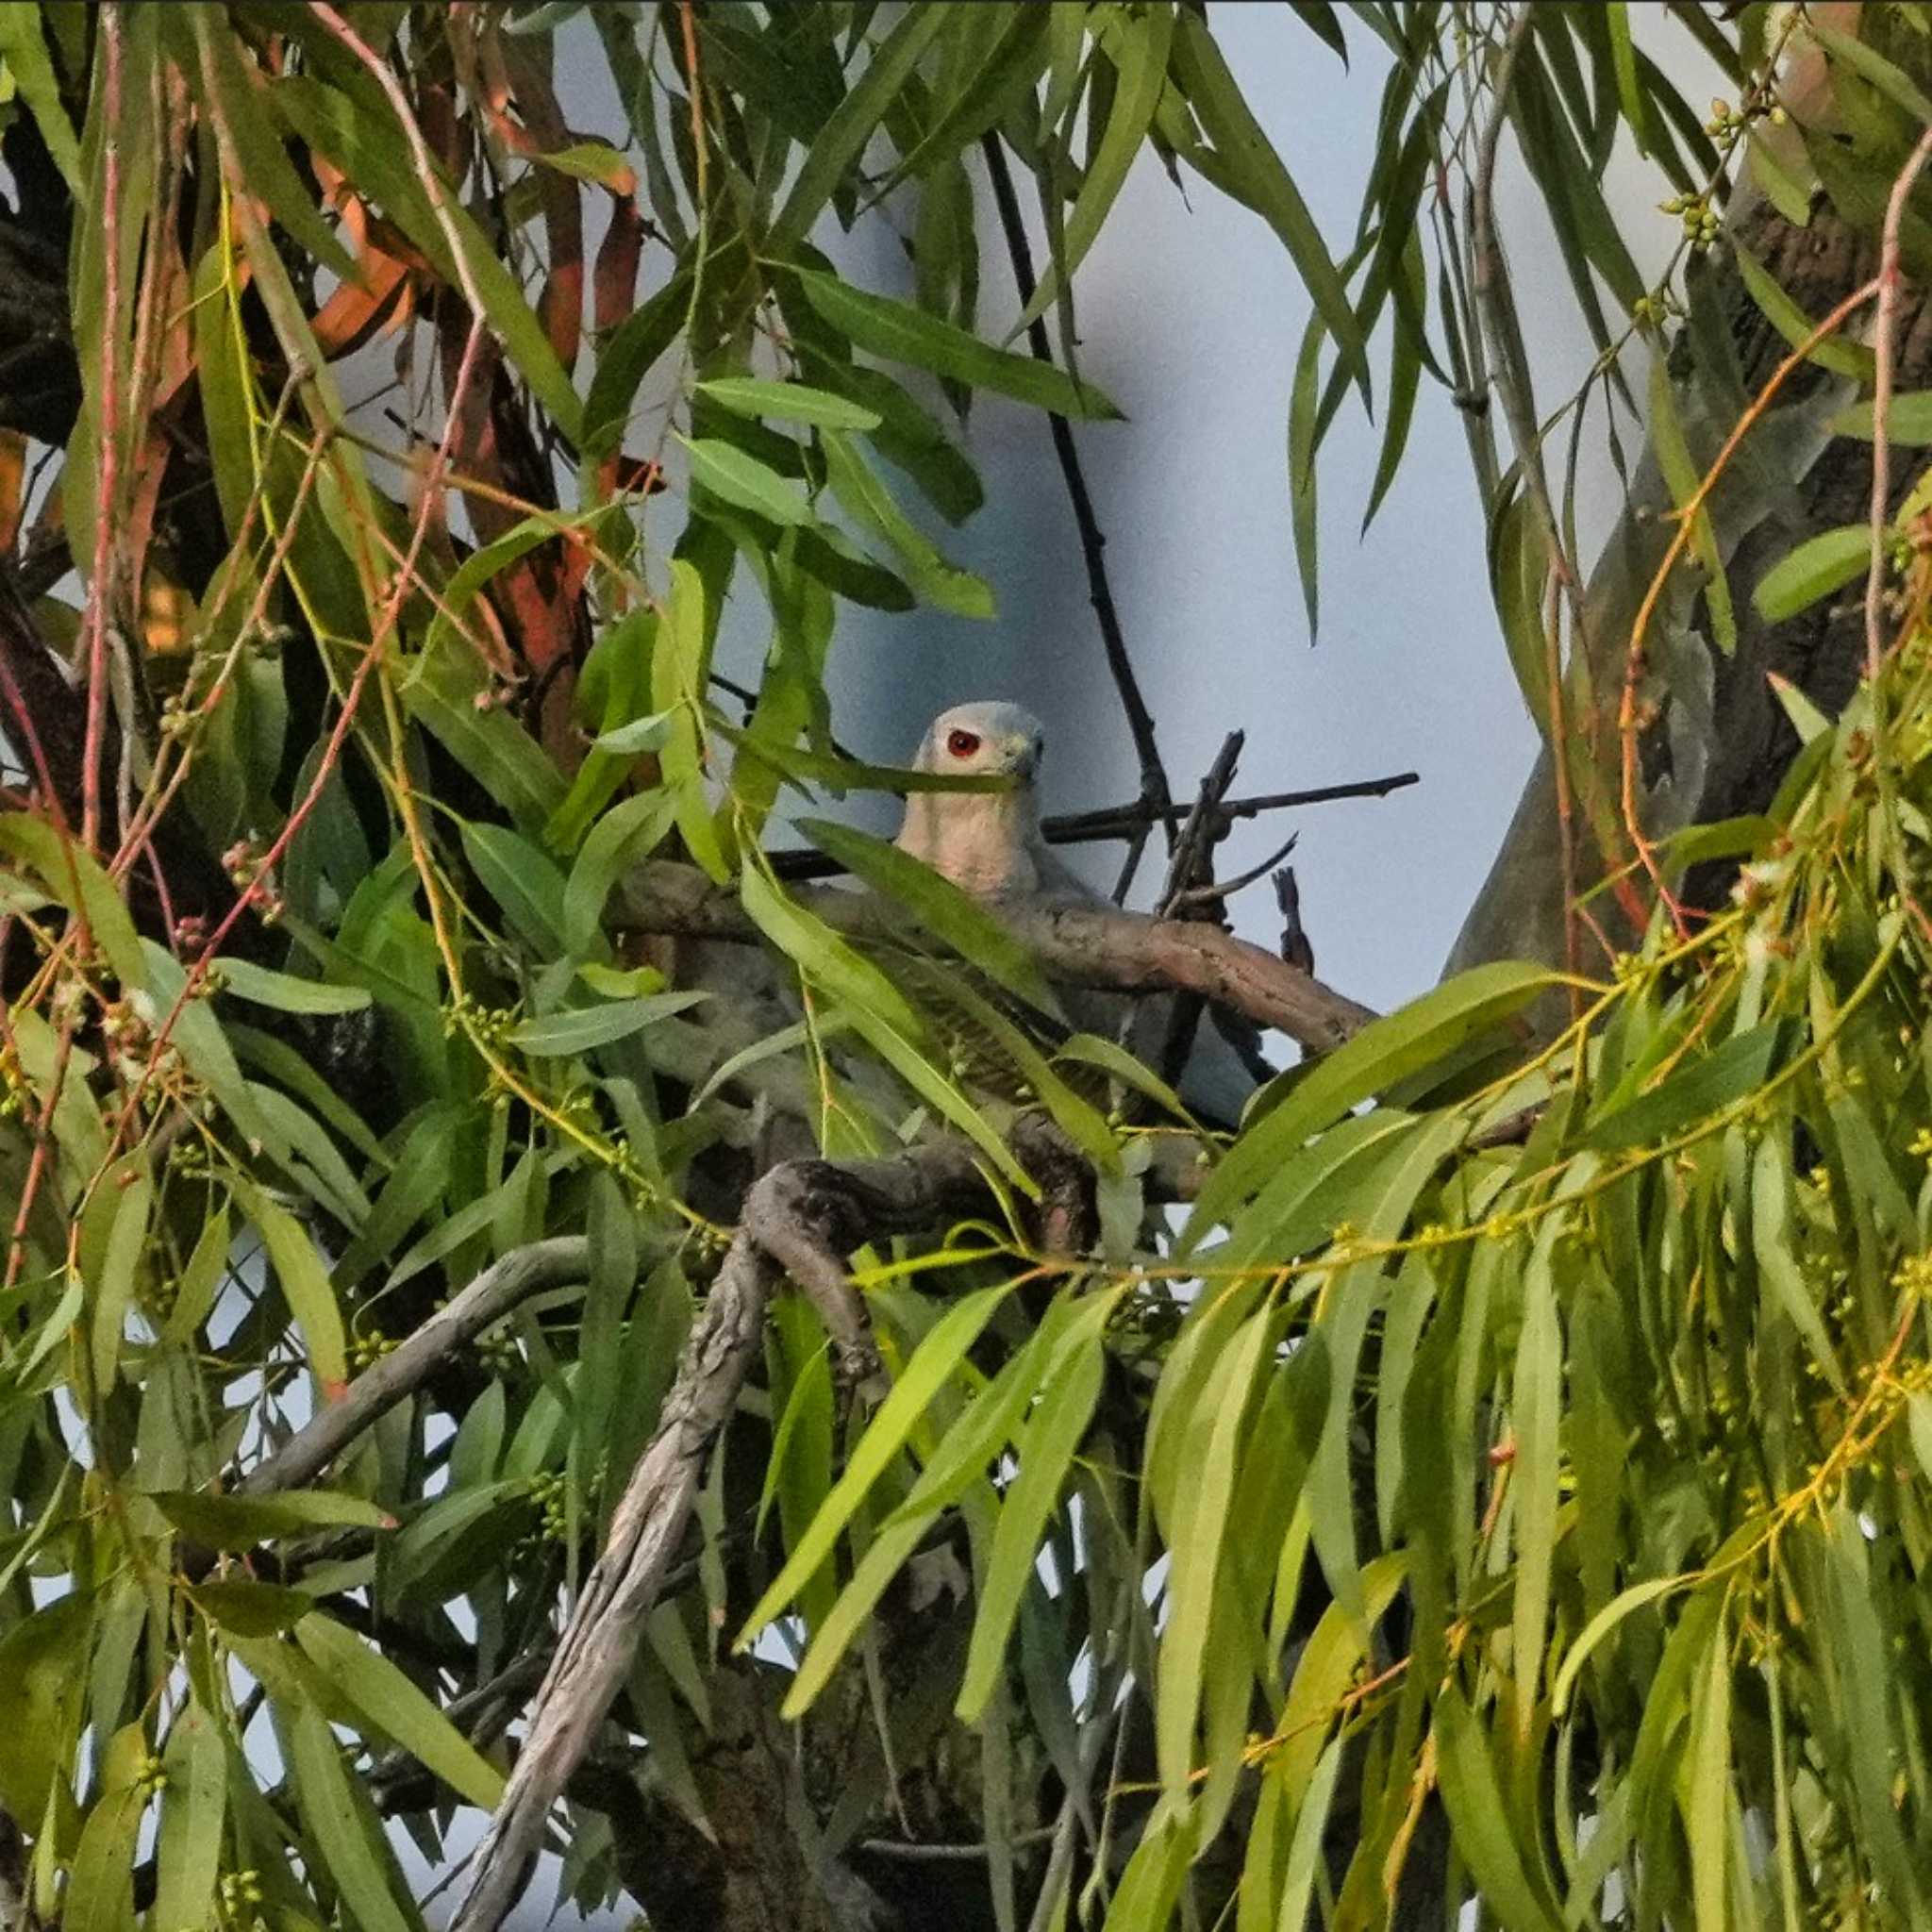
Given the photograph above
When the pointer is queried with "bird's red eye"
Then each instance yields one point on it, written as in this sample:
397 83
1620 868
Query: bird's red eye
962 745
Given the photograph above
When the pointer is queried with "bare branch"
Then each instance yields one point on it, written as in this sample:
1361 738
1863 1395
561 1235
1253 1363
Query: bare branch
1077 942
1132 820
1154 786
520 1274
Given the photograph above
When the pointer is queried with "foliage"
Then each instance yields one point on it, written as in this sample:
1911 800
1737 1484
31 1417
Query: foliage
1552 1434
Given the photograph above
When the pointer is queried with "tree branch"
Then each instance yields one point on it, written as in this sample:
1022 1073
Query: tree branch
1155 792
520 1274
1078 942
1132 820
802 1218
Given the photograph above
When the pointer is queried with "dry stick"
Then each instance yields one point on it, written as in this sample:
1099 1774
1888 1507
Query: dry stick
110 429
1076 941
1191 863
1519 410
1885 346
1132 820
1155 791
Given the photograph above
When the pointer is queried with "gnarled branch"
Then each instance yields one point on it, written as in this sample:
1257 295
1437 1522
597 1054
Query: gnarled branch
1081 943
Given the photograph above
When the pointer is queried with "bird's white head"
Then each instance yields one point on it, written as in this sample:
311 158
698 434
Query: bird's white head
980 739
984 842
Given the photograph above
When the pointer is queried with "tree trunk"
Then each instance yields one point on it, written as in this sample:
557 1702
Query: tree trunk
1721 741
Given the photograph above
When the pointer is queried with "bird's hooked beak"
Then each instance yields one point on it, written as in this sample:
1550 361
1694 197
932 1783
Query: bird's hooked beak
1024 748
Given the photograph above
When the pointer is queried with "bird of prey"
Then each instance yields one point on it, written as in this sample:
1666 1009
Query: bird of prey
989 844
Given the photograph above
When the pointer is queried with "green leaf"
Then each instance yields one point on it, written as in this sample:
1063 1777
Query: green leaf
905 334
1696 1091
583 1027
595 161
398 1710
1623 58
876 1010
1772 1246
114 1287
867 500
952 916
628 356
258 163
1907 418
1137 45
1044 1452
1707 1776
745 483
1261 180
100 1882
441 691
200 1279
1794 326
910 439
1384 1052
1479 1819
1890 81
253 1609
356 127
680 672
304 1285
284 992
789 402
1602 1624
1213 1435
933 1365
194 1810
360 1870
841 140
78 881
1305 1850
240 1521
626 833
1536 1407
523 879
1518 567
25 52
1685 478
1815 569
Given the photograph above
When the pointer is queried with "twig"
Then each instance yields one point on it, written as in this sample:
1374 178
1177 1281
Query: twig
1080 943
1155 791
108 429
1129 820
1217 891
1885 349
1687 519
520 1274
1201 830
1294 947
1191 863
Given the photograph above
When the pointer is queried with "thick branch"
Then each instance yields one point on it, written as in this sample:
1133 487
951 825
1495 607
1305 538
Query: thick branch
801 1218
1078 942
520 1274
